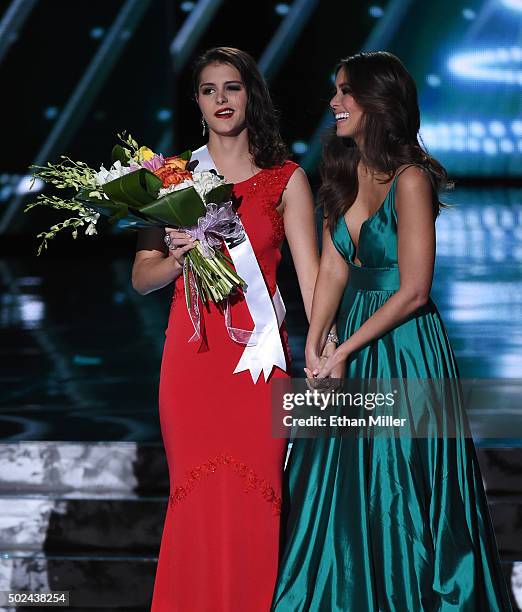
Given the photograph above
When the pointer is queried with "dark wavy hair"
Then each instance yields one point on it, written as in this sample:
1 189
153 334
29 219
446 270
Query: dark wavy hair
265 143
386 92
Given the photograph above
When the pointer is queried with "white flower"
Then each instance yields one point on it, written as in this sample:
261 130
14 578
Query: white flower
205 181
171 188
91 218
98 194
115 171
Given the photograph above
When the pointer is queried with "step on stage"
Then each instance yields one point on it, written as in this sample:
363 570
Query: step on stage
83 476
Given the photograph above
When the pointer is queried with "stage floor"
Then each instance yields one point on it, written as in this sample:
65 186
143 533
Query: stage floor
80 350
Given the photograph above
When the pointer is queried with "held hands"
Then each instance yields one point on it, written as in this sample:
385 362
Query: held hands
317 361
333 366
313 363
178 243
330 364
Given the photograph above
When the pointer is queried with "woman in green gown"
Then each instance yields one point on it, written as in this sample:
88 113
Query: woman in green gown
383 523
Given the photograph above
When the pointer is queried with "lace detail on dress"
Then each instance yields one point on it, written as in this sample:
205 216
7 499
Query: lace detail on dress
265 181
270 183
178 292
252 480
277 223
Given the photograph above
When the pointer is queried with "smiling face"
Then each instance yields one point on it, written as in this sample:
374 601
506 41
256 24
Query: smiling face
348 114
222 98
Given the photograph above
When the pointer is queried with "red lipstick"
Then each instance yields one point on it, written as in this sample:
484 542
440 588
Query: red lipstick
221 114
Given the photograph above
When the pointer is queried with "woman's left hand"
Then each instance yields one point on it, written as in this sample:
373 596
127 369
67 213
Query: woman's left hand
333 366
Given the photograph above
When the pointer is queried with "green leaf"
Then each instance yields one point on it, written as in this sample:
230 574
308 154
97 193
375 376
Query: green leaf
185 155
119 154
219 194
178 208
135 189
107 208
132 202
129 218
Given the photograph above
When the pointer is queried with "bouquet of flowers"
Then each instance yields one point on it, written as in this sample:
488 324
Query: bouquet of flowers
143 189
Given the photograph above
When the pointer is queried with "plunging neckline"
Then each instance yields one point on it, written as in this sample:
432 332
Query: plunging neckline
378 209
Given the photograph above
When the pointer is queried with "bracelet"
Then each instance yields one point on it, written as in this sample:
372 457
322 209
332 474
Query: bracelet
332 337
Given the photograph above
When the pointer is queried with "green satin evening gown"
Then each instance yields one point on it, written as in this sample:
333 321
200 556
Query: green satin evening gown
389 524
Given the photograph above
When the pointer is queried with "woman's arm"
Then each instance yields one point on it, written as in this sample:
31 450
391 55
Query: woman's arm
153 267
416 259
299 221
329 288
300 229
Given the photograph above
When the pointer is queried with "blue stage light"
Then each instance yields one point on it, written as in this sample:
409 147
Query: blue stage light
299 147
499 65
5 193
472 137
458 129
26 185
97 32
86 360
31 311
282 9
469 14
51 112
507 145
474 145
376 11
119 297
164 114
489 146
477 129
459 145
186 7
516 5
516 127
497 128
444 130
433 80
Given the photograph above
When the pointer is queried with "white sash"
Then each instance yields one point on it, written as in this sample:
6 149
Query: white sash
267 312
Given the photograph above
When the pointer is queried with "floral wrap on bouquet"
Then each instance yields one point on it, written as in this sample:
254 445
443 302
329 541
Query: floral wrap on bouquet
142 189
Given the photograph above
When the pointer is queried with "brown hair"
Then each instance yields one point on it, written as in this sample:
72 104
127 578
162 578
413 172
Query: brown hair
265 142
386 92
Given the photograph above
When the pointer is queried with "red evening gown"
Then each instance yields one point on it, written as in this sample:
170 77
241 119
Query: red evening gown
219 549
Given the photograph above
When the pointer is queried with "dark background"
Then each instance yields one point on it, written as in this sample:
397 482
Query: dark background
83 478
74 74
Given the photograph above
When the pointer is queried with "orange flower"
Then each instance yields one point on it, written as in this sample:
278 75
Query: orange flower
176 162
173 172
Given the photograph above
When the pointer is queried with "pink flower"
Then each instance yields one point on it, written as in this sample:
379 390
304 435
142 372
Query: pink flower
157 162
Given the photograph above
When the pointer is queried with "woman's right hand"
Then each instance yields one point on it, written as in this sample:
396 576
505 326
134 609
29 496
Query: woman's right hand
313 361
314 365
180 243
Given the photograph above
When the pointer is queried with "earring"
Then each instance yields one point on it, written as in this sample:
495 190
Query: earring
204 125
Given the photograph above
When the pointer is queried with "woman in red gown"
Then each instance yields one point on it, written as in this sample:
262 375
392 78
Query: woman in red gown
219 549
